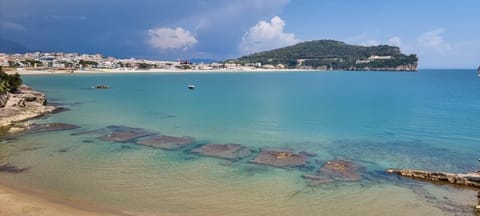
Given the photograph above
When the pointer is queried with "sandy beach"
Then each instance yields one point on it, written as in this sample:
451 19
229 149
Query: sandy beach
23 202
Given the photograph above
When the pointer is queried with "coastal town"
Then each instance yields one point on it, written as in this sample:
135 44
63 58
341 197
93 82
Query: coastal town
319 55
75 62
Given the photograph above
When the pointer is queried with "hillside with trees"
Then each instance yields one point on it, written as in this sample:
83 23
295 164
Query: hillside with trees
333 55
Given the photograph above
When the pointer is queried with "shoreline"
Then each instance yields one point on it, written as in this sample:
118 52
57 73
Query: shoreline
179 71
121 71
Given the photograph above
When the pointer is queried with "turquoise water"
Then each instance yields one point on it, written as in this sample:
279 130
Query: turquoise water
426 120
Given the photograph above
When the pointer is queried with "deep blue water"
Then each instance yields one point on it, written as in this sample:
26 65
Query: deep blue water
419 113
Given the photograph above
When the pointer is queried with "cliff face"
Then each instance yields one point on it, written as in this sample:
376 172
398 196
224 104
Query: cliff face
22 105
408 67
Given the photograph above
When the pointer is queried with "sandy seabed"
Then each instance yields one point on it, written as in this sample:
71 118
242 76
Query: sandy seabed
19 202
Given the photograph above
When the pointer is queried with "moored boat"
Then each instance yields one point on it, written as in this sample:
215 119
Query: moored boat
100 86
190 86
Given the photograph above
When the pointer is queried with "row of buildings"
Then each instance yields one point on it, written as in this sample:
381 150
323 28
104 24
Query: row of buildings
76 61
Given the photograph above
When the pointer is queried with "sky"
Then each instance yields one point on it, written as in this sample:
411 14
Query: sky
444 34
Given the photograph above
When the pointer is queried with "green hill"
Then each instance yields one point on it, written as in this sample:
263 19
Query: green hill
334 55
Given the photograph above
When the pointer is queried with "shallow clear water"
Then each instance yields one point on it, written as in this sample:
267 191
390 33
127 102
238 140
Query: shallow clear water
426 120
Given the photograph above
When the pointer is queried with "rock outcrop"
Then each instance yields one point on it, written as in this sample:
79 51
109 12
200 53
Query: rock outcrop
282 159
225 151
125 136
166 142
335 170
471 180
22 105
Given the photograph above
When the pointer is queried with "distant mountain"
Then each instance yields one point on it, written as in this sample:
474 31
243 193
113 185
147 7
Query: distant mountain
12 47
334 55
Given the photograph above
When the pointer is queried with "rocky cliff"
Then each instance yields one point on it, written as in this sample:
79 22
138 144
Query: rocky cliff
23 104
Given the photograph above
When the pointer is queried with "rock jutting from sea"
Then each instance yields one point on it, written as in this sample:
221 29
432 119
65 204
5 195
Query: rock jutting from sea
21 105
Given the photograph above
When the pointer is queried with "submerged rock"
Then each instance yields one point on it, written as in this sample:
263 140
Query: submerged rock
224 151
166 142
43 128
335 170
471 180
89 132
124 136
280 159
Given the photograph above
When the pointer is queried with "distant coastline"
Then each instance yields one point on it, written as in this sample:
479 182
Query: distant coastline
120 71
125 71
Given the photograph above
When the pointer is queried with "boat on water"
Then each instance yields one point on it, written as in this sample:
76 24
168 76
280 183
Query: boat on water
191 87
478 71
100 87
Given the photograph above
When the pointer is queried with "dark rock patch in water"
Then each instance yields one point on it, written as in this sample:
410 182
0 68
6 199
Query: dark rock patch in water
335 170
224 151
68 149
120 128
90 132
11 169
106 130
124 136
341 170
166 142
48 127
283 159
88 141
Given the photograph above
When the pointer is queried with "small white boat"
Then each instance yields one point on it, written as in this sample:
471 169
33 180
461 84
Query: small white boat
190 86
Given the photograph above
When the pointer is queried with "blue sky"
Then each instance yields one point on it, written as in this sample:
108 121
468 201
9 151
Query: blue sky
444 34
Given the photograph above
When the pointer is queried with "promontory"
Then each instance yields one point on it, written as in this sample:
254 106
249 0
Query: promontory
332 55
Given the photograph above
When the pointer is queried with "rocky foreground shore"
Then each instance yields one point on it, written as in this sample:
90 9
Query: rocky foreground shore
469 180
21 105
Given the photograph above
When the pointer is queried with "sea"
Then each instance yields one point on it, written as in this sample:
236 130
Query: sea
427 120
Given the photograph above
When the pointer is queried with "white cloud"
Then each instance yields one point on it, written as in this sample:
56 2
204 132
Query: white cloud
265 36
171 38
11 26
433 40
211 14
395 41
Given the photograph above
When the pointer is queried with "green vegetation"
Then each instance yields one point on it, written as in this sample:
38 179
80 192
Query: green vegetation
146 66
333 55
9 82
90 63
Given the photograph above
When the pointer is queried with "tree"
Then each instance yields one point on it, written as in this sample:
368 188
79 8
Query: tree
9 82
